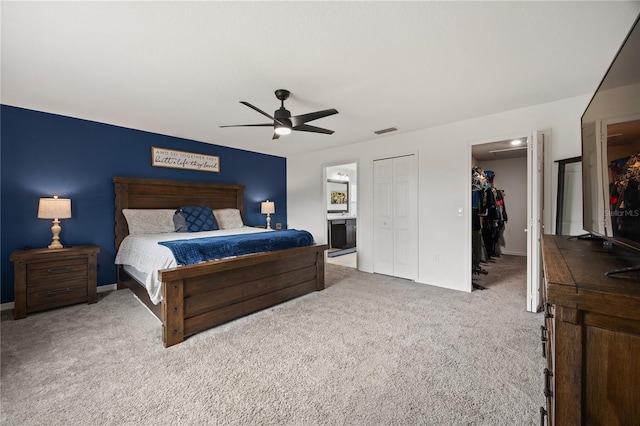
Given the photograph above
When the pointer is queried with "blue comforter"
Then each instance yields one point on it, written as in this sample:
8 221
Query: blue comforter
188 252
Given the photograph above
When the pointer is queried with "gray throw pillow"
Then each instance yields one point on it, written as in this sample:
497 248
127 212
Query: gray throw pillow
179 223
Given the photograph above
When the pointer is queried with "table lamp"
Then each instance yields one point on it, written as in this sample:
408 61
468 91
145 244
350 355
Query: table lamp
55 208
268 207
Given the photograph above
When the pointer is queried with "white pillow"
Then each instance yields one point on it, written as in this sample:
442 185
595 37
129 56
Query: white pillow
149 221
228 218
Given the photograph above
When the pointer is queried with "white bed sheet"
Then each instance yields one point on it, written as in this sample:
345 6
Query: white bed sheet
143 253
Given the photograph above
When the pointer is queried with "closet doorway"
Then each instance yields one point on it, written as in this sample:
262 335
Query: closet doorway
395 216
515 167
341 199
505 168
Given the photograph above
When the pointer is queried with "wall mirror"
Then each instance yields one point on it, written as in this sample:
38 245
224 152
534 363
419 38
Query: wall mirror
569 201
337 196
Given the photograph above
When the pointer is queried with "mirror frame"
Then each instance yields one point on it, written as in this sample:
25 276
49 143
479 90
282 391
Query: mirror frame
560 195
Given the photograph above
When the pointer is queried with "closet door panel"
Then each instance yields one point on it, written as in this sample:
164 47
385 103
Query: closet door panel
401 192
385 252
383 217
385 213
396 217
405 215
402 242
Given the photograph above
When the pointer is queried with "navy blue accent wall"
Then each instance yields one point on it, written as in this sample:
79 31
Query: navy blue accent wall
45 154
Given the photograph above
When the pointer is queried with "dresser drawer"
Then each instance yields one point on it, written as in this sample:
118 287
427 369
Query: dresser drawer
52 295
46 272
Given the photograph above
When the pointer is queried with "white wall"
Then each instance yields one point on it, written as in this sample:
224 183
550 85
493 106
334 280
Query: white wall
444 158
511 176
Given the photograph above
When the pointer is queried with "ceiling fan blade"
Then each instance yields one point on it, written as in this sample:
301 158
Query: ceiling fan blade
304 118
275 136
249 125
314 129
260 111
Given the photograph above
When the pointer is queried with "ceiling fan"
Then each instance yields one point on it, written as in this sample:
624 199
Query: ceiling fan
284 123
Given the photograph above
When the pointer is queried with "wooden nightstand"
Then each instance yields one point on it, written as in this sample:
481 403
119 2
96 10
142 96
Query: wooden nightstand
50 278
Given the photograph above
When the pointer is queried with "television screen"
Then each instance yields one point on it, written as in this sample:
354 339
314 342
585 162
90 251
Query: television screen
611 149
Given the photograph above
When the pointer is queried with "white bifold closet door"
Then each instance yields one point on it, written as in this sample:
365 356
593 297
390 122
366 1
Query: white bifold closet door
395 209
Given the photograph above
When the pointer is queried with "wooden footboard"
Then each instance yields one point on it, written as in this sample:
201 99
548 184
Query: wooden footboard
199 297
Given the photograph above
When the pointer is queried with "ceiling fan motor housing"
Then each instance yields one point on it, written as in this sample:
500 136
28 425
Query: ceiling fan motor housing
282 94
283 116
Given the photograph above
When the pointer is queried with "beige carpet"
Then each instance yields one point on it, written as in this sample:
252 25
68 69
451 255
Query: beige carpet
368 350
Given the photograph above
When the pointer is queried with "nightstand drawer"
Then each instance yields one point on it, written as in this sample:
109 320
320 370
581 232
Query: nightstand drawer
46 272
54 294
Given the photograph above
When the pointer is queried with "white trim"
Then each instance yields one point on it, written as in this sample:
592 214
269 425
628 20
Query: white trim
513 253
101 289
6 306
107 287
325 166
467 211
534 209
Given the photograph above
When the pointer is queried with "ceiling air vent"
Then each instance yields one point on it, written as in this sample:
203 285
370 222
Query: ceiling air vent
387 130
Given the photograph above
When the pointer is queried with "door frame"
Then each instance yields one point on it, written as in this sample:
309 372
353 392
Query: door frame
538 180
325 166
535 191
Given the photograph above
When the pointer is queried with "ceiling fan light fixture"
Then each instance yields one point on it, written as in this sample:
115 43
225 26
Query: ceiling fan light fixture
282 130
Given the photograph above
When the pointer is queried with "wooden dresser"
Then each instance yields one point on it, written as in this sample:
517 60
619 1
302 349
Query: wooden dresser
591 335
49 278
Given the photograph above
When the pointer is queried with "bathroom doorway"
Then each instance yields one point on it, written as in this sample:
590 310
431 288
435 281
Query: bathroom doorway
341 199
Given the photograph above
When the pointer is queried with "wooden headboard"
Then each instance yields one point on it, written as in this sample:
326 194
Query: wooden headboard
140 193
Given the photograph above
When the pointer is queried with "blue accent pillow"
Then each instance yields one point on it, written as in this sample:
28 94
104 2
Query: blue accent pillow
199 218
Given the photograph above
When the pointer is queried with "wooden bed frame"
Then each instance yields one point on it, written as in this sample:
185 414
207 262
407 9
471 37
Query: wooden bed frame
198 297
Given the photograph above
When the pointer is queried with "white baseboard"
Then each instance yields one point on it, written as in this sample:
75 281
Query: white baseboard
513 253
101 289
107 287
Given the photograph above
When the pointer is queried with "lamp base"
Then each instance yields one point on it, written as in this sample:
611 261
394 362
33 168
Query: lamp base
55 230
268 221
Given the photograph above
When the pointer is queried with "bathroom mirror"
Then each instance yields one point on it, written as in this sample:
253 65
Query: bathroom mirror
337 196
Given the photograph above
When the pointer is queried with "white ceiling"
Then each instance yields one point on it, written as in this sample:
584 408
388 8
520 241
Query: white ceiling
181 68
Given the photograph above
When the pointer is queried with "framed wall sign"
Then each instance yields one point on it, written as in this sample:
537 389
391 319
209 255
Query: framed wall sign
338 196
162 157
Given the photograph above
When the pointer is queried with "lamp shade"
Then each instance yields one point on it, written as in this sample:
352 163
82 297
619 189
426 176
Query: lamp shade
54 208
268 207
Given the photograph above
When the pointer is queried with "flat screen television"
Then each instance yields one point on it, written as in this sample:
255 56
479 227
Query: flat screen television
611 150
